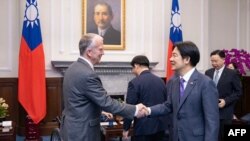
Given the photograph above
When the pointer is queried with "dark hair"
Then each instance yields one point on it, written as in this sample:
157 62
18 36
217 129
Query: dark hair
140 60
221 53
234 64
188 49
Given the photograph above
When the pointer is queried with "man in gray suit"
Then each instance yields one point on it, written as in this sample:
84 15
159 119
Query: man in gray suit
84 96
192 98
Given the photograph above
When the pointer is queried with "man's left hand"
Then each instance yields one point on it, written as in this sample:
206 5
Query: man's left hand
222 103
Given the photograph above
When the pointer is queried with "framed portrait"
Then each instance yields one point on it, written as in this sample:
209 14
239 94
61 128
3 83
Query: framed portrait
106 18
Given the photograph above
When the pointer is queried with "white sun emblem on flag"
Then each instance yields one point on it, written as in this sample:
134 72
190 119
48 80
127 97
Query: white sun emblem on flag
176 20
31 13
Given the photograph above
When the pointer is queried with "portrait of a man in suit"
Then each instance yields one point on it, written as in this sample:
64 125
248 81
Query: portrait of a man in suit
102 20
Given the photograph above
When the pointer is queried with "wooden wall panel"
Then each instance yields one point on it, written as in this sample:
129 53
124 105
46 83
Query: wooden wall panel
243 106
8 90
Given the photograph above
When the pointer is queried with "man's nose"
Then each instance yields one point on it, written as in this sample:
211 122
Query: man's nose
101 16
171 58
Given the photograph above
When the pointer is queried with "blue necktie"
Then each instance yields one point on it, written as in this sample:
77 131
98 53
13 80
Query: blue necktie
182 87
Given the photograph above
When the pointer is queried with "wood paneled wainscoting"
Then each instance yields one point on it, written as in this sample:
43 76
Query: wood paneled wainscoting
243 105
9 89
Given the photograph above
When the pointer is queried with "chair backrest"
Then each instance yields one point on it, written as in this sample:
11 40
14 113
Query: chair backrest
246 118
55 135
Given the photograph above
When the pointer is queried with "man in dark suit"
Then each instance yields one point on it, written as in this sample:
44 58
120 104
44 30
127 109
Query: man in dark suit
193 98
84 96
103 15
228 85
149 90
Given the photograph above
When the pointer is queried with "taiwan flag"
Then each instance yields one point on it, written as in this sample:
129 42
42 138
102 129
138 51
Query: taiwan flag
175 34
31 75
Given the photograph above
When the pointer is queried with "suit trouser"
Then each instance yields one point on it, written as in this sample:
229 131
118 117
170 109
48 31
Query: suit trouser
159 136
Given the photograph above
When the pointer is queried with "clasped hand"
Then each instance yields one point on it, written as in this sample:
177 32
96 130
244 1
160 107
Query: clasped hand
142 111
221 103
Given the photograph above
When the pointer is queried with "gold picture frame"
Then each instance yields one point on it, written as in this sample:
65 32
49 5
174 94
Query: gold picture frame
114 37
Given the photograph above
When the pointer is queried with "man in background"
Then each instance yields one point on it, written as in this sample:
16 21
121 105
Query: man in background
84 96
149 90
103 15
228 85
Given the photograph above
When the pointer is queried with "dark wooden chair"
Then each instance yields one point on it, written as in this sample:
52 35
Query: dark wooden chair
56 134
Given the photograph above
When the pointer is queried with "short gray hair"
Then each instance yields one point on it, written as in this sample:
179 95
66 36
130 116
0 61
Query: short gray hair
87 41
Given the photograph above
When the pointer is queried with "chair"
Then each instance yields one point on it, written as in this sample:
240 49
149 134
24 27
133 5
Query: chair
56 134
246 118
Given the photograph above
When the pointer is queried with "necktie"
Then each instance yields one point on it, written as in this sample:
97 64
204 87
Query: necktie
182 81
101 33
216 78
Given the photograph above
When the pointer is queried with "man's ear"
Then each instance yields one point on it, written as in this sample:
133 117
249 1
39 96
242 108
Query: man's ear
88 52
137 66
187 60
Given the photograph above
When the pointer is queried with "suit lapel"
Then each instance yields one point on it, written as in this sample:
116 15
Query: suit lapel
190 85
211 75
223 75
176 92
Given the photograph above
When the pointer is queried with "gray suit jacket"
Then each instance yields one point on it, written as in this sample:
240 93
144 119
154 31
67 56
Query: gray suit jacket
196 114
84 99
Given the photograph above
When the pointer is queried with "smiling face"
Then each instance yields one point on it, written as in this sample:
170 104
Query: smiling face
178 63
102 16
95 53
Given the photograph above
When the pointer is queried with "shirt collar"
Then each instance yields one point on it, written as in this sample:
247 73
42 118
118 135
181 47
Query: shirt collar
91 65
103 31
187 76
221 69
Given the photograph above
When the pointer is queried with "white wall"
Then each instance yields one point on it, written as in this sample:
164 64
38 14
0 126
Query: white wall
211 24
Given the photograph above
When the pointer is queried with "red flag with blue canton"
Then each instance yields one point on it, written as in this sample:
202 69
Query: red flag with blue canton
175 34
31 75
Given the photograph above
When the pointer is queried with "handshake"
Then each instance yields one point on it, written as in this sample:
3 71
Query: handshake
142 111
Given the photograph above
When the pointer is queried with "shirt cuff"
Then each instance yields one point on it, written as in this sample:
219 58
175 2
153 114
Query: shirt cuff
136 110
149 111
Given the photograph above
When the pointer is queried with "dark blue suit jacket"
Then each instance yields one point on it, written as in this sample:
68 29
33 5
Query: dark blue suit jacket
149 90
196 113
229 88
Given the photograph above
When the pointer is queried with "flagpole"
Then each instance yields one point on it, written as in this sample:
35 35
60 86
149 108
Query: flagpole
31 72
